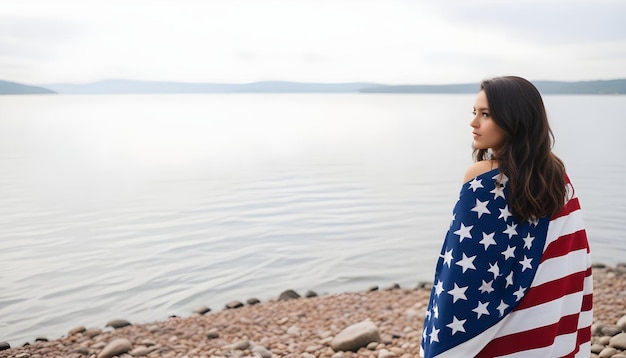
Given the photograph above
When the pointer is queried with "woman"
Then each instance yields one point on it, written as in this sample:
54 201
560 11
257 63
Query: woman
514 275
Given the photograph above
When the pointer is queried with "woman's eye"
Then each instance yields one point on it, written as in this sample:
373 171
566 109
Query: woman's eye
485 114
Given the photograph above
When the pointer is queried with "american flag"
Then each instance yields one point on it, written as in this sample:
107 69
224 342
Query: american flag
505 288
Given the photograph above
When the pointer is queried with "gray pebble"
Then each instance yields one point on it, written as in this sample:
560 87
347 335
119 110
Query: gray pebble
202 310
233 304
118 323
4 346
288 295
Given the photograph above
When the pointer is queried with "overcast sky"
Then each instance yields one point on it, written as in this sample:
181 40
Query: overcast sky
239 41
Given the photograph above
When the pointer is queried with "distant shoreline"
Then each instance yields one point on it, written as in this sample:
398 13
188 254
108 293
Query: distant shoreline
122 86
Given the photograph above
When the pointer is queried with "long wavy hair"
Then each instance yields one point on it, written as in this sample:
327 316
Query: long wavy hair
536 176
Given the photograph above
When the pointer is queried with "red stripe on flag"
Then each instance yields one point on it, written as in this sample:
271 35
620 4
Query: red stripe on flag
587 302
566 244
553 290
569 207
536 338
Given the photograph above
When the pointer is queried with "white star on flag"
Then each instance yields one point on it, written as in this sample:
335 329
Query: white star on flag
439 288
467 263
464 232
528 241
509 252
458 293
494 269
434 335
501 307
447 257
505 213
509 280
497 192
481 309
511 230
526 263
486 287
488 240
456 325
481 208
476 184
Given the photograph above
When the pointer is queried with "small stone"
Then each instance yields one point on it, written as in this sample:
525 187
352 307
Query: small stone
611 330
233 304
41 339
202 310
618 341
310 294
92 332
76 330
116 347
4 346
596 329
81 350
372 346
293 331
253 301
142 351
148 342
262 351
383 353
307 355
23 355
395 286
118 323
238 346
356 336
608 352
621 323
212 334
338 355
604 340
288 295
597 348
373 288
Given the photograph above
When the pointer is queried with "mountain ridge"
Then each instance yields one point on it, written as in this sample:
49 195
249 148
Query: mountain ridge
7 87
125 86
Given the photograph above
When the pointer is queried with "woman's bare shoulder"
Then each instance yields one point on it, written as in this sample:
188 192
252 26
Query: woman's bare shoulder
479 168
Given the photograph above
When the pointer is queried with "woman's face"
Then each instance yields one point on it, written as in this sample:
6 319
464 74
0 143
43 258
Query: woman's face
486 132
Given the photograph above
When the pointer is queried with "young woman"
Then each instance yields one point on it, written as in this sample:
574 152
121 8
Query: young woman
514 275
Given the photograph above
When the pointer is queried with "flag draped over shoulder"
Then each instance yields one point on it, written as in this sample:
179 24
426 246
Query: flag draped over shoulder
505 288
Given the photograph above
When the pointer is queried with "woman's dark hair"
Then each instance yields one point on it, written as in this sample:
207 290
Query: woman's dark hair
536 175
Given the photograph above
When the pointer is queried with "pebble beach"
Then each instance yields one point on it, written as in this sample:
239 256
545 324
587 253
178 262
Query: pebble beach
377 323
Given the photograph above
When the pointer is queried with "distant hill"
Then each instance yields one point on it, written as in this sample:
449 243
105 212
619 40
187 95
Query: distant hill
130 86
17 88
150 87
545 87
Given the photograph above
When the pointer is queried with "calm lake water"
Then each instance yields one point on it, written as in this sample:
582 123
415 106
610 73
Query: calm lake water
141 207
